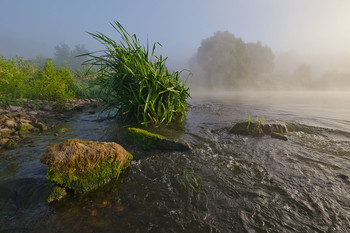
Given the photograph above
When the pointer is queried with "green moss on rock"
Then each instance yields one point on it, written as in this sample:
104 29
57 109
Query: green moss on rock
41 126
10 144
57 193
84 165
150 140
146 138
25 127
245 128
279 136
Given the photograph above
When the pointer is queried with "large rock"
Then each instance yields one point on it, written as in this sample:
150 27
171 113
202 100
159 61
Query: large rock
258 130
245 128
150 140
84 165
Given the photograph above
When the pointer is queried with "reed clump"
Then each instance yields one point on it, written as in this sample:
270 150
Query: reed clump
136 83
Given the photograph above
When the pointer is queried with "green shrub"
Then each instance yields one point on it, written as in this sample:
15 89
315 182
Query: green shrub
14 77
53 83
136 82
23 79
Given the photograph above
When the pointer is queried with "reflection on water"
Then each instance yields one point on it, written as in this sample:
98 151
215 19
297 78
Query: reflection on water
227 183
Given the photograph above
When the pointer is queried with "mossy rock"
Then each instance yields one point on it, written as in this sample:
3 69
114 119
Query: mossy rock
57 193
5 133
41 126
84 165
10 144
279 136
25 127
150 140
245 128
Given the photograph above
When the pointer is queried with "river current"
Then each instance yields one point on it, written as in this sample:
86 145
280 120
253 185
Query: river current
226 183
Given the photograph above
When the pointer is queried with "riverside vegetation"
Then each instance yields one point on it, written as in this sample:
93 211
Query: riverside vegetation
136 82
21 78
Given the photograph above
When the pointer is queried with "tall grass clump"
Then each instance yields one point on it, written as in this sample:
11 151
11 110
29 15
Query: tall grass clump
136 82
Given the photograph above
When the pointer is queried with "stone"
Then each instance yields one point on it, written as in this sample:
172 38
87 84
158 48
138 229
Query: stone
57 193
10 144
61 131
245 128
25 121
47 108
3 119
25 127
41 126
32 113
3 142
5 132
10 123
257 129
15 108
150 140
84 165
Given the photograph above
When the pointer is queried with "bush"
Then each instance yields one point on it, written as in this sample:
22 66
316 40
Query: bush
14 77
136 82
23 79
52 83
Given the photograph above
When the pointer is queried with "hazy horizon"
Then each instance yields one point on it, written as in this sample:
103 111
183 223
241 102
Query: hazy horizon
314 33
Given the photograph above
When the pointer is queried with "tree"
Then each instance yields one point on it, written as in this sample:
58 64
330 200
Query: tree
77 61
223 59
63 54
261 58
226 60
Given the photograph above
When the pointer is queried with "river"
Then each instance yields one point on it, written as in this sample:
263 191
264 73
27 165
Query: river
226 183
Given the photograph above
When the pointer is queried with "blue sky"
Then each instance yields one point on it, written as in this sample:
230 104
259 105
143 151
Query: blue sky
31 28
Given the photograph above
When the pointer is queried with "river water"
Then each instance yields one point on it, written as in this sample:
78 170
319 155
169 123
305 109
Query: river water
226 183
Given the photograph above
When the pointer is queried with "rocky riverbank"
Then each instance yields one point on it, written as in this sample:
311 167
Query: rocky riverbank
19 121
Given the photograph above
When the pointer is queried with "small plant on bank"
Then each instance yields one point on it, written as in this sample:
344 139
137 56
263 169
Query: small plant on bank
136 82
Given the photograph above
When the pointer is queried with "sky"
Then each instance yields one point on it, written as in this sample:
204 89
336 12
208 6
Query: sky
33 28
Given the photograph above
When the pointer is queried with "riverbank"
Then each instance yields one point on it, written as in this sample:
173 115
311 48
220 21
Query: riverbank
19 121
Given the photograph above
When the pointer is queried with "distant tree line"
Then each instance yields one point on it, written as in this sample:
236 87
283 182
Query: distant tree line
64 54
225 60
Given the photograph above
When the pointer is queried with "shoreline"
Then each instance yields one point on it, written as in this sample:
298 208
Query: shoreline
18 122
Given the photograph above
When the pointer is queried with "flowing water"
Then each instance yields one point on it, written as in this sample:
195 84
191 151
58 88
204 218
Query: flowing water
226 183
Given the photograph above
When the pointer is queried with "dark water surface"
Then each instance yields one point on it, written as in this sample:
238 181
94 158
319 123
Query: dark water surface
227 183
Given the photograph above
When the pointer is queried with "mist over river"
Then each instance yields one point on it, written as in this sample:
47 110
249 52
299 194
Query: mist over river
226 183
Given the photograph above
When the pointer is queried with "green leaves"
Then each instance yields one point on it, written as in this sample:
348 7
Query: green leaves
136 82
24 79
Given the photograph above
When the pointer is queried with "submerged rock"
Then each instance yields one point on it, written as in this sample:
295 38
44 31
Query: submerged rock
84 165
244 128
279 136
259 130
150 140
41 126
10 144
57 193
274 128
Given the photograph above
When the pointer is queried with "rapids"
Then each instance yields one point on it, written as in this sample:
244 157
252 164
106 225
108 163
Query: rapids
227 183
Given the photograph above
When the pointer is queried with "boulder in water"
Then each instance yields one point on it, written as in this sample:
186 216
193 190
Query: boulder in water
84 165
259 130
245 128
